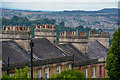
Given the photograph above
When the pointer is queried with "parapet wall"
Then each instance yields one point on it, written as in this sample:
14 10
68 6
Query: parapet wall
46 31
102 37
15 32
72 37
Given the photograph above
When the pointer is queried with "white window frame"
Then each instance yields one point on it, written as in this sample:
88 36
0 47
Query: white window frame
39 73
86 72
47 72
93 72
58 69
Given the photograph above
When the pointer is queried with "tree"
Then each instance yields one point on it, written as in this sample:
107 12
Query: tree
113 57
19 74
69 74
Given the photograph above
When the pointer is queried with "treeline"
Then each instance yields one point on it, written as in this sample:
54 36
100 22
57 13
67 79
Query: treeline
24 21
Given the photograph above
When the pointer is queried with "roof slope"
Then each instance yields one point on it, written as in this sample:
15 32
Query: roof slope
44 49
96 50
78 56
12 50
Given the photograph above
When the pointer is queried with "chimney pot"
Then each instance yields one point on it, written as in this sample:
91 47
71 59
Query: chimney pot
28 28
10 27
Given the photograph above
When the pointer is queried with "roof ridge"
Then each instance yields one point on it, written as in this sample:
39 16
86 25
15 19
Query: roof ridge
102 45
79 51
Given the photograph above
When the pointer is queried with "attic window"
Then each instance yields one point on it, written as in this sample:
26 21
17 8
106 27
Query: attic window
63 54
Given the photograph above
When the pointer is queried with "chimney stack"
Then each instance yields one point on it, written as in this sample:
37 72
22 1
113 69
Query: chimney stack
28 28
7 28
36 27
3 27
74 33
77 32
82 33
23 28
10 27
53 27
13 28
67 33
64 33
16 28
45 26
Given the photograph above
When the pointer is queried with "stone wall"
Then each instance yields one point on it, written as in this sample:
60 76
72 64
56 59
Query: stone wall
46 31
25 44
103 40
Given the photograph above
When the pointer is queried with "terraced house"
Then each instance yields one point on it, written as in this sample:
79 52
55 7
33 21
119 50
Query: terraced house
87 54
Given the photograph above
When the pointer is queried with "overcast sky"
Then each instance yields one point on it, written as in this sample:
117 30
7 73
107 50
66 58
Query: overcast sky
59 5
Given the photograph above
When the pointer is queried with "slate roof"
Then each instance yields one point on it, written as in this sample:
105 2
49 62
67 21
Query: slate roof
96 50
12 50
78 56
44 49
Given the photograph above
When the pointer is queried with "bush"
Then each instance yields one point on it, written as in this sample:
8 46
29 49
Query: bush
69 75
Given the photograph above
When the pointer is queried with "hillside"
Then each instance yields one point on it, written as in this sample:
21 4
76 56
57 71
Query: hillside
105 19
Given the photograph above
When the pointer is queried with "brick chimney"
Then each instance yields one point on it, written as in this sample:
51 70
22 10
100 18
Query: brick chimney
3 27
67 33
77 32
80 33
53 27
64 33
10 27
23 28
36 27
50 26
40 27
28 28
70 33
16 28
7 28
45 26
74 33
13 28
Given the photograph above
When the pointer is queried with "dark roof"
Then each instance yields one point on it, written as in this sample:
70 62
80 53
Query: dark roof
40 62
12 50
96 50
44 49
78 56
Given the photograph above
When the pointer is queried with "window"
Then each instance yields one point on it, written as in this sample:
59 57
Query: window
39 73
46 73
68 66
93 72
100 70
58 69
86 72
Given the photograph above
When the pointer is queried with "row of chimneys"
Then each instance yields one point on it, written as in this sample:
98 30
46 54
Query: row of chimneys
92 32
16 28
73 33
45 26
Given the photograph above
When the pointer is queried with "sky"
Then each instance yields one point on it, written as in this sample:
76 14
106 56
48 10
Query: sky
59 5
